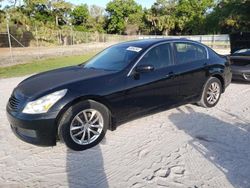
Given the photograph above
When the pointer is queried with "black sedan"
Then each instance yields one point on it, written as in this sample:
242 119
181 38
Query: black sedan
241 64
78 104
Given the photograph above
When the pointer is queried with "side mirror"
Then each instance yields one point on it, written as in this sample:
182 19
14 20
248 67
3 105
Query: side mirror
144 68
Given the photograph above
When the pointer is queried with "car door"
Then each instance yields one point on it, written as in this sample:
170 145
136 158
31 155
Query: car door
155 88
191 62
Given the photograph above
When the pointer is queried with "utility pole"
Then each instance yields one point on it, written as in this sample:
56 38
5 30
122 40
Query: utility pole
8 32
72 34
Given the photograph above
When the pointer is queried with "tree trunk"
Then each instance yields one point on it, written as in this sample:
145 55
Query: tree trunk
57 20
165 32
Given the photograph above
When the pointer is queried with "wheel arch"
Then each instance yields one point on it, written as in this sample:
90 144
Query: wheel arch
201 101
101 100
220 77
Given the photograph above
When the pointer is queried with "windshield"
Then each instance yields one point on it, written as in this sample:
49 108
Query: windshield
115 58
243 52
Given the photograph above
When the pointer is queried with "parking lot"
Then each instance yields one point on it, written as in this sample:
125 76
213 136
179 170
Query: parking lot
184 147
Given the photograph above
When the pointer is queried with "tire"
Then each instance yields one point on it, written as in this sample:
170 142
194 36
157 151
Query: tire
82 121
207 102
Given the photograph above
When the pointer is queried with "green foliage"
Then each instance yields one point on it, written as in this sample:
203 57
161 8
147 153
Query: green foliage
96 20
229 16
80 15
60 10
176 17
191 16
122 13
160 17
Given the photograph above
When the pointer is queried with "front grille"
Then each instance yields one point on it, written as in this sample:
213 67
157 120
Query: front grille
13 103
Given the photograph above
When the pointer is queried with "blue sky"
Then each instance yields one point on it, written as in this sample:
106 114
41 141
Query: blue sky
102 3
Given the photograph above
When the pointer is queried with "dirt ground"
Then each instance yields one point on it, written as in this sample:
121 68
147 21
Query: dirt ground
187 146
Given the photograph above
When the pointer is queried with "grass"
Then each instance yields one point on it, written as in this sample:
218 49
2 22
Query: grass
42 65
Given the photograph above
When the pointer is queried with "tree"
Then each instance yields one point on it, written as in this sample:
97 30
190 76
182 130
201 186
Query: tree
1 3
229 16
121 13
161 17
80 14
96 19
60 9
96 11
13 2
177 17
37 10
0 9
191 16
29 6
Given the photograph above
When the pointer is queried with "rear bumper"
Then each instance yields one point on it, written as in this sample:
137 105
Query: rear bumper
228 80
35 129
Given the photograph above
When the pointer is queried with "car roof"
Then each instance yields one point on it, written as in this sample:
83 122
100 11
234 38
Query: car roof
145 43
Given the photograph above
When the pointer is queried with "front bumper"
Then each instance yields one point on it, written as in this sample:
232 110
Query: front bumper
35 129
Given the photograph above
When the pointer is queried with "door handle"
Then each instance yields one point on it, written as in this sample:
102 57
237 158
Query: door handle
170 75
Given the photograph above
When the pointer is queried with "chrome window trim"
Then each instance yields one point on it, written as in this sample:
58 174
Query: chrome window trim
166 42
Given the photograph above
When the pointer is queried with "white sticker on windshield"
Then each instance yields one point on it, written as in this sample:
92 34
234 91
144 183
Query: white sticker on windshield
134 49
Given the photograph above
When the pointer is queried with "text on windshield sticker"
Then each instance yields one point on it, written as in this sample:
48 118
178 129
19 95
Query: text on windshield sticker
134 49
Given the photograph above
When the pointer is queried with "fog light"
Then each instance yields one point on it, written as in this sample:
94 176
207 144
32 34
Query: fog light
26 132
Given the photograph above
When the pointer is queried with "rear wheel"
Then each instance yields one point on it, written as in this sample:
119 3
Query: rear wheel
211 93
83 125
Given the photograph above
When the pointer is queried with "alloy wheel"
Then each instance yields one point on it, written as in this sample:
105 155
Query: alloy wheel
86 126
213 93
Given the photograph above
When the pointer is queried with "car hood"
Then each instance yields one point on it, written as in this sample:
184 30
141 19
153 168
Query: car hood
55 79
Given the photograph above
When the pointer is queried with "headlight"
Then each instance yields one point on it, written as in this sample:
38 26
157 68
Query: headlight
43 104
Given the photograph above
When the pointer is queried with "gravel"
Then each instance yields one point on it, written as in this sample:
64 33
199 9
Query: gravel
188 146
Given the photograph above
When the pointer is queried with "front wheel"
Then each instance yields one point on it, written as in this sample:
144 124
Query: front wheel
83 125
211 93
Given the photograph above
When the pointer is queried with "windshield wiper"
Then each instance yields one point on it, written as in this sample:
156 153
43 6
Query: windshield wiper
93 68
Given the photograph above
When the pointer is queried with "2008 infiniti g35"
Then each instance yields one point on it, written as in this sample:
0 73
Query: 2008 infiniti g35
78 104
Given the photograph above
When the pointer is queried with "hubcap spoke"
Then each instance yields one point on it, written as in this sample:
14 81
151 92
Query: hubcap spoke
94 132
80 132
79 120
95 120
209 98
86 126
213 93
96 126
83 135
85 116
88 135
76 128
92 116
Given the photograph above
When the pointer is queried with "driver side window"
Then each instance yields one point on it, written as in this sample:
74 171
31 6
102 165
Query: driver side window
159 56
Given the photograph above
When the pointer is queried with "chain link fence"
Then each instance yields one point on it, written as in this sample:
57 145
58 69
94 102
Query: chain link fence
213 41
24 44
